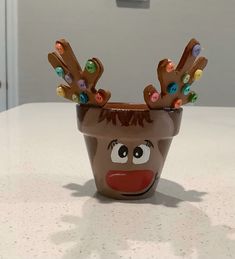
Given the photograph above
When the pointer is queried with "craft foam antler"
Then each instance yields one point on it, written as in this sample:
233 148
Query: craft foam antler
81 83
176 82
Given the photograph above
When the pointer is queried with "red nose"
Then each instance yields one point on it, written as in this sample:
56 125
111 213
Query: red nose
129 181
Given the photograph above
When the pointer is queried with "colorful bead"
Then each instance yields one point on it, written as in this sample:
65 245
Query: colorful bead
75 98
91 66
198 74
68 78
172 88
154 97
177 103
59 71
82 84
99 98
59 47
170 66
186 89
84 98
60 91
193 97
185 78
196 50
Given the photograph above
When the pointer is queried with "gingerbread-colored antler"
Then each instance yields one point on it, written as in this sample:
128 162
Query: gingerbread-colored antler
81 83
176 82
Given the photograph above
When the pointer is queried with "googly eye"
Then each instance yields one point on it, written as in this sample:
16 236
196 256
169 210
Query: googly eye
141 154
119 153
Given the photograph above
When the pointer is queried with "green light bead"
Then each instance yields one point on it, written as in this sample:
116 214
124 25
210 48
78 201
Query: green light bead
75 98
193 97
185 78
186 89
59 71
91 66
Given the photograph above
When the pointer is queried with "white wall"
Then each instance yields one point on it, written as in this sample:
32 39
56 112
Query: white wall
2 57
129 41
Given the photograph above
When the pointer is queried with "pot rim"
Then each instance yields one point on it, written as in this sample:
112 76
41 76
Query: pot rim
126 106
121 106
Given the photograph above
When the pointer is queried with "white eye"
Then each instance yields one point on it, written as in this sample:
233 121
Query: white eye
141 154
119 153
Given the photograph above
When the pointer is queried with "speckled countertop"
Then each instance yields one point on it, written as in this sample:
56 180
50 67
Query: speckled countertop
49 207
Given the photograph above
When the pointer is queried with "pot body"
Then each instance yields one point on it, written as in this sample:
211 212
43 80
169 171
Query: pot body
127 146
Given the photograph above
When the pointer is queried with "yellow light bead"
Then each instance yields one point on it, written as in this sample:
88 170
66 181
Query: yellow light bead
60 91
198 74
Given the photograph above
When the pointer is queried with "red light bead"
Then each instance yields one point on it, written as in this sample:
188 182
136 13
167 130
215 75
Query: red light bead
170 67
154 97
99 98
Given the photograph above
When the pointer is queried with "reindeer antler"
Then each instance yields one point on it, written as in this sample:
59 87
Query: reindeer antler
176 82
81 83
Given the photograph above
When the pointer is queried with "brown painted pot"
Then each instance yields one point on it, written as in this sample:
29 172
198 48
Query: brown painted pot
127 146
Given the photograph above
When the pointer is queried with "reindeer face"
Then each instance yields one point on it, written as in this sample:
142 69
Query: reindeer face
127 160
126 168
136 155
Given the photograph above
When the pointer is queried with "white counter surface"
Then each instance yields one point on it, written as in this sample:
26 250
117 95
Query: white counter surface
49 207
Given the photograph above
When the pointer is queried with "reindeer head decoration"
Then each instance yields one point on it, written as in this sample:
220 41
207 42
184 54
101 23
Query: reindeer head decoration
128 143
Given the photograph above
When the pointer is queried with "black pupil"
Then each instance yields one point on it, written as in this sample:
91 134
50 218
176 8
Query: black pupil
123 151
138 152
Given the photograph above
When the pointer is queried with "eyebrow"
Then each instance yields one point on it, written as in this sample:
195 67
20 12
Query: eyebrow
112 143
149 143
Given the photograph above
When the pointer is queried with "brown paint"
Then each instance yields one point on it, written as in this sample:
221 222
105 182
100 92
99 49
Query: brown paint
91 143
99 133
125 117
164 146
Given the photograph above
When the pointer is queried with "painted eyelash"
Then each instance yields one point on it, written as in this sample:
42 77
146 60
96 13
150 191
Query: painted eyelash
149 143
112 144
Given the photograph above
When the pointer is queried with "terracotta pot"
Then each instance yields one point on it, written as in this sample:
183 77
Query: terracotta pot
127 146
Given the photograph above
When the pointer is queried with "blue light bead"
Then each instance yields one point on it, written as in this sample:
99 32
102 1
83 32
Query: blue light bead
82 84
196 50
84 98
186 89
68 78
172 88
59 71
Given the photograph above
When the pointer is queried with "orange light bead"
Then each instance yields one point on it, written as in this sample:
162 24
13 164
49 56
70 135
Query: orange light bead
177 103
99 98
59 47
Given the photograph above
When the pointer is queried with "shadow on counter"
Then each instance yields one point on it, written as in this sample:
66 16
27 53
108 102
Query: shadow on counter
140 229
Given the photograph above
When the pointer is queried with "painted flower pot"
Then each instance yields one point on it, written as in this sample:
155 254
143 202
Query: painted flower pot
127 146
128 143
